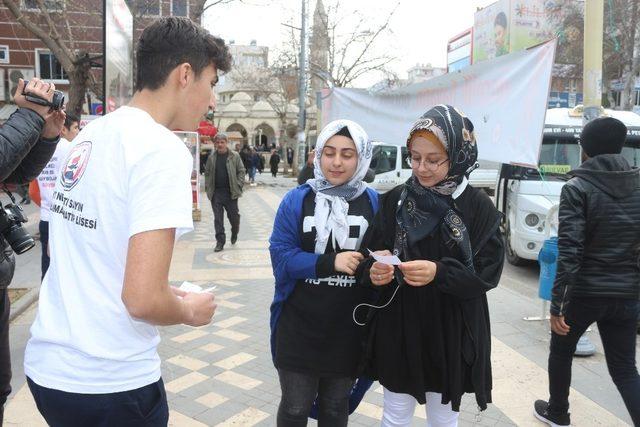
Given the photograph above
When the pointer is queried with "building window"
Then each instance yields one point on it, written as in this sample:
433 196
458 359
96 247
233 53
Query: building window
48 67
179 8
148 8
50 5
4 54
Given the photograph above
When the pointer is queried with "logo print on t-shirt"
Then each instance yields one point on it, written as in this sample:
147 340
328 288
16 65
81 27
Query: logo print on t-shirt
75 165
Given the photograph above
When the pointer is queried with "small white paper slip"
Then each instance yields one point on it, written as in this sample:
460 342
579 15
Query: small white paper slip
191 287
385 259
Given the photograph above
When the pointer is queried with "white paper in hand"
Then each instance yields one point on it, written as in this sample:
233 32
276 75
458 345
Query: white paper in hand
191 287
385 259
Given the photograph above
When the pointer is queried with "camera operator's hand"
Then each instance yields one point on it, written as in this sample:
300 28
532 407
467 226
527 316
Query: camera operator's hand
38 88
53 125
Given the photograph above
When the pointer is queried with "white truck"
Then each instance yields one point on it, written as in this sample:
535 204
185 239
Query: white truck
389 163
526 196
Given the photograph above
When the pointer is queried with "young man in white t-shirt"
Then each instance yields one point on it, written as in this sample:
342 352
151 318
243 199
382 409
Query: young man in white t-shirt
47 181
122 199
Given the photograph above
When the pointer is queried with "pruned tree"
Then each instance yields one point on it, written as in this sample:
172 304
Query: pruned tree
354 42
60 30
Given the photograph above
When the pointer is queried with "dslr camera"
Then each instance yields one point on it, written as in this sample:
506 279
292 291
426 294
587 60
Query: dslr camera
57 102
11 219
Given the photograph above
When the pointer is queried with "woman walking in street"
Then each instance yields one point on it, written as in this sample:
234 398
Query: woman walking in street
431 343
318 229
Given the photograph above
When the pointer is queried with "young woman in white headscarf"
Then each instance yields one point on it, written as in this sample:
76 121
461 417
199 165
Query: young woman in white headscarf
318 229
431 343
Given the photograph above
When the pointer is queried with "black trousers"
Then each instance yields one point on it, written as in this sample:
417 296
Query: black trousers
5 353
44 242
299 392
222 201
145 406
617 322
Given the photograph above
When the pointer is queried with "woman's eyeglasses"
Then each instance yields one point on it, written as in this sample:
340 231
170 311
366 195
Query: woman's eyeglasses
431 165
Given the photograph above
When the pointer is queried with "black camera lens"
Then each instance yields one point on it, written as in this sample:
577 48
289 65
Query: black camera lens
19 239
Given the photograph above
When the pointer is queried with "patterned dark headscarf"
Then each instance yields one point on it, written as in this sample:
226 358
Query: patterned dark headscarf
420 209
455 131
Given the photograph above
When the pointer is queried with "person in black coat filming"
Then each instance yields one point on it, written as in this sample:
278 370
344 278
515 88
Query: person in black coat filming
27 141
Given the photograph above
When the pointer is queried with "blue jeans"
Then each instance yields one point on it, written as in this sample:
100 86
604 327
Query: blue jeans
145 406
252 174
617 322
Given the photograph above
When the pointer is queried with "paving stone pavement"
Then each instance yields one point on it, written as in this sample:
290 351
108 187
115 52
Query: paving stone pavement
221 374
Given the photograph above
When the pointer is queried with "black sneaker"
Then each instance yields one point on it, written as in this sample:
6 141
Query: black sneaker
234 238
219 247
541 412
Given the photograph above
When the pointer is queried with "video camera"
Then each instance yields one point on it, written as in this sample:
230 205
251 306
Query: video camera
57 102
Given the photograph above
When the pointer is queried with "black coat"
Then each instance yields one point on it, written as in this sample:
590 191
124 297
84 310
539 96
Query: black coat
599 233
437 337
23 155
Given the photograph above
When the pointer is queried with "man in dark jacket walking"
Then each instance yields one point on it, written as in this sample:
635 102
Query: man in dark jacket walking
224 179
598 277
27 142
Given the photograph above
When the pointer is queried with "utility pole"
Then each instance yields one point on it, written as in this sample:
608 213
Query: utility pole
592 72
592 94
299 157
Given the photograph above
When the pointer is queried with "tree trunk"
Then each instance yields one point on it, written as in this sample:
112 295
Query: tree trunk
630 79
79 81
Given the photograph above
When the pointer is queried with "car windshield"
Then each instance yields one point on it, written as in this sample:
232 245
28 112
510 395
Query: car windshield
559 155
631 152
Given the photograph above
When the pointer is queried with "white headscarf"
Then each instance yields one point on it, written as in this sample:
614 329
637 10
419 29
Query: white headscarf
332 203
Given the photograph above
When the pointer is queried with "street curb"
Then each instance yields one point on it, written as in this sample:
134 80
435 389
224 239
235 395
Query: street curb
23 303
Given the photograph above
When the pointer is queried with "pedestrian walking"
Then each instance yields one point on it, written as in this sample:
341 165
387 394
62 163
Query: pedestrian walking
598 277
122 199
431 341
289 156
253 160
46 182
224 179
314 246
274 162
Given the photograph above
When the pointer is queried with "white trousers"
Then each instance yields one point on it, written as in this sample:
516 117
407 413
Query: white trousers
399 409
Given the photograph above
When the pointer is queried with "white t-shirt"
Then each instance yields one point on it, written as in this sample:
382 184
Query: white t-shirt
48 176
125 174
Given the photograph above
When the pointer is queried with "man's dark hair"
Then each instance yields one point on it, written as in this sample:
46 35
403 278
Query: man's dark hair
501 20
171 41
70 120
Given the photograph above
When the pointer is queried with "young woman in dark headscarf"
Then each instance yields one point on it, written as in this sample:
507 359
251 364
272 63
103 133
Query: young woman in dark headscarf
431 343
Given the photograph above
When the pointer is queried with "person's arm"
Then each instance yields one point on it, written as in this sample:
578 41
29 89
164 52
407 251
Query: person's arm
374 240
158 205
288 259
453 277
208 172
146 292
571 237
40 153
240 171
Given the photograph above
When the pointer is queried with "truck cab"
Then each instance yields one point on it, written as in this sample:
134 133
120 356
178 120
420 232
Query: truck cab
527 195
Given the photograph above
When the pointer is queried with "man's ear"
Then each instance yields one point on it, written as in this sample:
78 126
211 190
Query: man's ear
184 74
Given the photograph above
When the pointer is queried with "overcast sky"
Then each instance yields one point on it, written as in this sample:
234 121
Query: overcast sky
420 28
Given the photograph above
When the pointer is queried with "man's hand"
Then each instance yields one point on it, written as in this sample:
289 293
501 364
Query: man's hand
199 308
558 325
53 125
38 88
418 273
347 262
